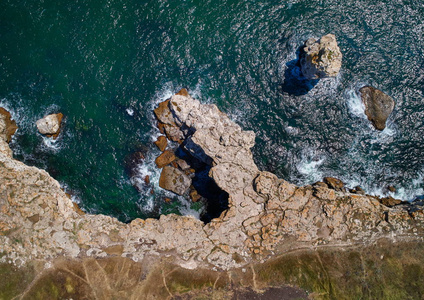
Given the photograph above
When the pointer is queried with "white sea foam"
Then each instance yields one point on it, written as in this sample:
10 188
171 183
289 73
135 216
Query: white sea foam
51 143
130 111
309 167
186 209
355 104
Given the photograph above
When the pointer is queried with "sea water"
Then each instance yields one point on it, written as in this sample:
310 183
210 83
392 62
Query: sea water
106 65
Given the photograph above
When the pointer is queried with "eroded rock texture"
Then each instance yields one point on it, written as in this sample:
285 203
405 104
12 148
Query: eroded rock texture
321 58
266 215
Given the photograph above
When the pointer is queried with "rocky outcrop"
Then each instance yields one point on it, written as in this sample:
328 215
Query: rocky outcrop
266 215
321 58
50 125
378 106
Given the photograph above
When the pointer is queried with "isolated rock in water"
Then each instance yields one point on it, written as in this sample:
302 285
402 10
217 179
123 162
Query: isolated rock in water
378 106
7 125
174 180
50 125
321 58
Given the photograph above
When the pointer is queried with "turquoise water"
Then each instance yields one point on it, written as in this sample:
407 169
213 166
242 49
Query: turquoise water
106 64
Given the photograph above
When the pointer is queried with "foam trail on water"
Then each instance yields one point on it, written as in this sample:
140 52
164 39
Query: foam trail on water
51 143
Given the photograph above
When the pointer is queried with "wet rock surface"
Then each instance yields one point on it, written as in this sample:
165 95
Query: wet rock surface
321 58
378 106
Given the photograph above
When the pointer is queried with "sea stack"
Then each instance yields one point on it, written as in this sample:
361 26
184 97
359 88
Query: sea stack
321 58
378 106
50 125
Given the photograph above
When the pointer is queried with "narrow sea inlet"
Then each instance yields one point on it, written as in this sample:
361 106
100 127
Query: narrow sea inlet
106 66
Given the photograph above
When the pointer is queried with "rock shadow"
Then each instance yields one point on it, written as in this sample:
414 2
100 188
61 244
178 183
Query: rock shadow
294 82
214 198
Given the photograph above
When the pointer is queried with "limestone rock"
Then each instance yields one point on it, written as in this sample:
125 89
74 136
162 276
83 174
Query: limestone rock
321 58
174 180
161 143
378 106
50 125
165 158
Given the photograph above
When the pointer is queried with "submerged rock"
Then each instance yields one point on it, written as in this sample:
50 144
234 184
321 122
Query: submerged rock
378 106
174 180
321 58
50 125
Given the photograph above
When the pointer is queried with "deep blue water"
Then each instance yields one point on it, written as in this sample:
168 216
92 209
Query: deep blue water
106 64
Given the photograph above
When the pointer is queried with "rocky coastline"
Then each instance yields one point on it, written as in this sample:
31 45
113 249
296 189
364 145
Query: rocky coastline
266 216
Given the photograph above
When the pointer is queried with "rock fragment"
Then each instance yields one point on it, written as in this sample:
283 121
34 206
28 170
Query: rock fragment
161 143
165 158
166 122
378 106
174 180
334 183
389 201
50 125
